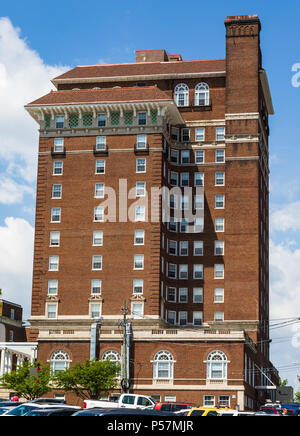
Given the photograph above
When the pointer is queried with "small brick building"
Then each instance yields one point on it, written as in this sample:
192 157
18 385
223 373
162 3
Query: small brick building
194 276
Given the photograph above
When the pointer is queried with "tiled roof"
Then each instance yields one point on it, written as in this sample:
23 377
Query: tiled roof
143 69
98 96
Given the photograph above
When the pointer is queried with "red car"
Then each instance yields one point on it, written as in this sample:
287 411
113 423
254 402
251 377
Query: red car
173 407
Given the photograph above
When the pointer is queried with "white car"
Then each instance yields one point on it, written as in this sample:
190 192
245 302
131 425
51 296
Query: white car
25 408
234 413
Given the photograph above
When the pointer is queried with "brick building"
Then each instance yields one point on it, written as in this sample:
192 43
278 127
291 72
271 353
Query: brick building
191 264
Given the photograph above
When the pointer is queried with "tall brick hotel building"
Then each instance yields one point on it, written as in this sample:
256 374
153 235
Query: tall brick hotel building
195 291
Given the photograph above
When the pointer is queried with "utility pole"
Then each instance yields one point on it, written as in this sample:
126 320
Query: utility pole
125 382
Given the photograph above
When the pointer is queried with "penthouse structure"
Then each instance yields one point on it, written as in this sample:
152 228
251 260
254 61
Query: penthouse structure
153 195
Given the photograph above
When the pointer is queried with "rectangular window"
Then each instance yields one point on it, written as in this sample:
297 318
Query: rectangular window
185 157
171 317
185 135
56 191
182 318
54 239
219 295
173 201
219 248
200 156
53 263
59 122
99 190
140 213
55 215
219 271
99 214
100 166
208 401
140 189
172 271
96 285
199 179
137 310
183 295
171 295
57 168
98 238
220 179
100 143
219 316
174 156
200 134
173 178
220 133
175 133
138 263
139 237
197 318
198 295
51 311
58 145
224 401
198 272
184 179
101 120
138 286
172 225
142 118
199 225
95 310
52 287
185 202
97 263
220 225
198 248
141 141
183 248
184 226
141 165
220 201
183 272
172 248
220 156
199 202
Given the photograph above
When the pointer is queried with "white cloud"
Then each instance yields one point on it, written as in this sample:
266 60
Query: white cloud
286 217
12 192
16 256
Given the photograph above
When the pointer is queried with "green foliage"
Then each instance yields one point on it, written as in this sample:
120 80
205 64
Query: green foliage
89 379
283 383
25 381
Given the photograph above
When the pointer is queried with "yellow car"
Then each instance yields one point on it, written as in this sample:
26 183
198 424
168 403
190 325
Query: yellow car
205 411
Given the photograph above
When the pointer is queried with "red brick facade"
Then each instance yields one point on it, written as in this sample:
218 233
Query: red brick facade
217 304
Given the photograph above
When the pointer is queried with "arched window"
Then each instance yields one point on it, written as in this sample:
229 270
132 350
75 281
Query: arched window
202 94
111 355
163 365
181 95
217 366
59 361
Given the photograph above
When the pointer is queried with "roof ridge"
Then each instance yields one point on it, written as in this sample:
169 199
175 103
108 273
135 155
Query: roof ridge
116 88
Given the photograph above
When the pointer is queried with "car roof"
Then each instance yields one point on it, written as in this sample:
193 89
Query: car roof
54 410
49 406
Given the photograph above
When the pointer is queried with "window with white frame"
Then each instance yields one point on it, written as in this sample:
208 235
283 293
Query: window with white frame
220 201
220 133
224 401
102 120
141 165
198 248
216 365
172 271
163 365
99 214
175 133
59 122
138 286
181 95
97 262
183 296
139 237
184 226
112 356
197 318
140 213
182 316
220 156
199 225
200 134
183 248
220 179
171 317
51 311
173 178
209 401
59 361
101 143
185 157
219 295
199 156
171 295
198 295
99 190
52 287
59 145
100 166
138 263
199 179
199 202
174 156
219 248
54 239
219 316
96 286
185 202
57 168
142 118
172 225
56 191
53 263
198 272
172 248
185 136
219 271
202 94
140 189
141 141
183 272
173 201
220 225
95 310
184 179
137 310
98 238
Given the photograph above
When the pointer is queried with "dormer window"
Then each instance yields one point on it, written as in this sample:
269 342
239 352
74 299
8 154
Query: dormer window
202 94
181 95
142 118
59 122
101 120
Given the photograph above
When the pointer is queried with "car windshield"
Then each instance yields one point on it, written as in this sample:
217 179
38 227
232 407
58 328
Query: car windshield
20 410
197 412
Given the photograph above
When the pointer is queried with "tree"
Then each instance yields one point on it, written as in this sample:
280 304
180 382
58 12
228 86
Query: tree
89 379
283 383
27 381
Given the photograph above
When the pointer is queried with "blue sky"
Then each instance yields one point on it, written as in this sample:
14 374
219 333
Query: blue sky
38 42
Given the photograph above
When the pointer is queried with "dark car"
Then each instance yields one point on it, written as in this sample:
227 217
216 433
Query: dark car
10 403
122 412
271 410
52 412
173 407
49 401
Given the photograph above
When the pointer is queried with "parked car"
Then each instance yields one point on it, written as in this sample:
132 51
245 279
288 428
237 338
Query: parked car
122 412
61 411
272 410
25 408
6 406
49 401
126 400
234 413
173 407
204 411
